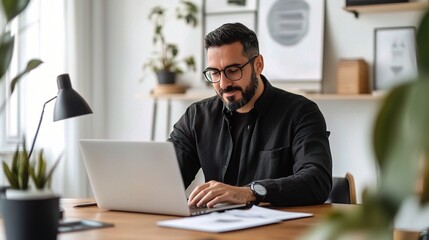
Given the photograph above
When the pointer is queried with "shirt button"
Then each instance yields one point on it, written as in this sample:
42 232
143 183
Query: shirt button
248 127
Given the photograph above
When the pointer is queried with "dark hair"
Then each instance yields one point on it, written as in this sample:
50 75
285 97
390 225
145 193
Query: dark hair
234 32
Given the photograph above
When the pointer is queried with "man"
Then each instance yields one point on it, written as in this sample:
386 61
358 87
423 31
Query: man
253 142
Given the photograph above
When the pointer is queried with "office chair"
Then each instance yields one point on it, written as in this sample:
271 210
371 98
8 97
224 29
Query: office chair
343 190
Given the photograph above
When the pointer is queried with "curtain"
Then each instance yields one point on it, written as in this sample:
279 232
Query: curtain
84 63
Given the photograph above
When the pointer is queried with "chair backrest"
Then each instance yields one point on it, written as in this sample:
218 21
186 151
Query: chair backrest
343 190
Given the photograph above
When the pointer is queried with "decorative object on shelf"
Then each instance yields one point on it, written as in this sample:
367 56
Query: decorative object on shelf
401 147
291 39
395 59
370 2
165 63
352 76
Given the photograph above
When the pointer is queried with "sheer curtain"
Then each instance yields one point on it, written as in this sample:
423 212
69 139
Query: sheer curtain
84 63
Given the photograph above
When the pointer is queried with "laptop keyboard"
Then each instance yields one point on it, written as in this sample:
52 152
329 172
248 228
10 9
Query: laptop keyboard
198 210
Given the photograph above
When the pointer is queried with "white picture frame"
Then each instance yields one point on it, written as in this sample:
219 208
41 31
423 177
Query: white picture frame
395 59
291 34
229 6
219 12
214 21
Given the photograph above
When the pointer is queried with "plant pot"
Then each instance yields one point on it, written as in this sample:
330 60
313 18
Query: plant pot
31 218
166 77
29 194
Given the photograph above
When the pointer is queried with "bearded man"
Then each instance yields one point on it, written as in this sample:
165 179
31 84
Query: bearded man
254 142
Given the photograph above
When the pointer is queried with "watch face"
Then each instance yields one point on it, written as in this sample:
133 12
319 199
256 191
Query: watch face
259 189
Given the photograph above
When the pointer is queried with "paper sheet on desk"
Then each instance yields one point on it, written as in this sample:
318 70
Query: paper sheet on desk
232 220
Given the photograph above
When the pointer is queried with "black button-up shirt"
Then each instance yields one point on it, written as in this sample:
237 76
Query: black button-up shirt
285 146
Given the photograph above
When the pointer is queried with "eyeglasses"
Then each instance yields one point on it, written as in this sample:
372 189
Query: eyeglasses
233 72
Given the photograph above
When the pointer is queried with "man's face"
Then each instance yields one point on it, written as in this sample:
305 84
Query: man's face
235 94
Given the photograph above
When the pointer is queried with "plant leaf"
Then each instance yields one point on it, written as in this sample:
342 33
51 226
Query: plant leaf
423 46
51 172
10 176
23 170
386 123
12 8
7 43
32 64
15 162
407 144
424 195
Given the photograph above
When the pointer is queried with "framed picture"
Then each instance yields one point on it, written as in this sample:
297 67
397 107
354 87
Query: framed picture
368 2
214 21
291 39
219 12
229 6
395 59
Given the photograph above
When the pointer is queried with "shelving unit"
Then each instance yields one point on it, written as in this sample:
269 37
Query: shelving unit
388 7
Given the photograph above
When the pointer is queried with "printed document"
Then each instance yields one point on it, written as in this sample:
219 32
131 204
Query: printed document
233 219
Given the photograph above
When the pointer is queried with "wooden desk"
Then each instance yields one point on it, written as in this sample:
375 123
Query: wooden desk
143 226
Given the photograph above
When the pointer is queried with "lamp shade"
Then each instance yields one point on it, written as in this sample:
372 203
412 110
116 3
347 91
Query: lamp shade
69 103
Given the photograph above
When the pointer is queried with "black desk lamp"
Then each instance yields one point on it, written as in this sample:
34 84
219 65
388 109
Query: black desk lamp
69 104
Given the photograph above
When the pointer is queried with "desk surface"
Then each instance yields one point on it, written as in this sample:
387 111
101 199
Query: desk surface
143 226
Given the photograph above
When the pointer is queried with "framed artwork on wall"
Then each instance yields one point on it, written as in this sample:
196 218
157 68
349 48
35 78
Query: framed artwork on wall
229 6
369 2
395 59
219 12
291 39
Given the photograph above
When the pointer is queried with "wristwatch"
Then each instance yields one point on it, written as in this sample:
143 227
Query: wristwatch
259 191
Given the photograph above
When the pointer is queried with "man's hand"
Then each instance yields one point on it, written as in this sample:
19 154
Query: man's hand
211 193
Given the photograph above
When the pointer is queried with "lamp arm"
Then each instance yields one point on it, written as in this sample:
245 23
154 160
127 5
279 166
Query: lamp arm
38 126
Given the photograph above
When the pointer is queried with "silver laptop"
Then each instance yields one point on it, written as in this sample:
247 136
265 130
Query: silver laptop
138 177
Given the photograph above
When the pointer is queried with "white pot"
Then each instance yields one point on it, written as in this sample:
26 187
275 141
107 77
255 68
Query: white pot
29 194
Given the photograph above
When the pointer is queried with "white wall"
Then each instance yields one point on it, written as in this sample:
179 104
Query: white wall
127 43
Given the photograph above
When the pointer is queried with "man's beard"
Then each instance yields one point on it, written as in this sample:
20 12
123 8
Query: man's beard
250 91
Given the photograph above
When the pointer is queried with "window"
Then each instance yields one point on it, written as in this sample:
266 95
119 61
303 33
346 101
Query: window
23 28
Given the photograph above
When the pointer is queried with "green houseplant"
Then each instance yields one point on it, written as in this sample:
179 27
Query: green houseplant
401 145
164 62
11 9
21 171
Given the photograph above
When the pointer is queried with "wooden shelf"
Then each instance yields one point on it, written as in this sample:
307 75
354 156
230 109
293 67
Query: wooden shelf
388 7
342 97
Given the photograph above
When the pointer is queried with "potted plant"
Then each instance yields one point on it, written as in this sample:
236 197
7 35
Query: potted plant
33 207
401 145
164 62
